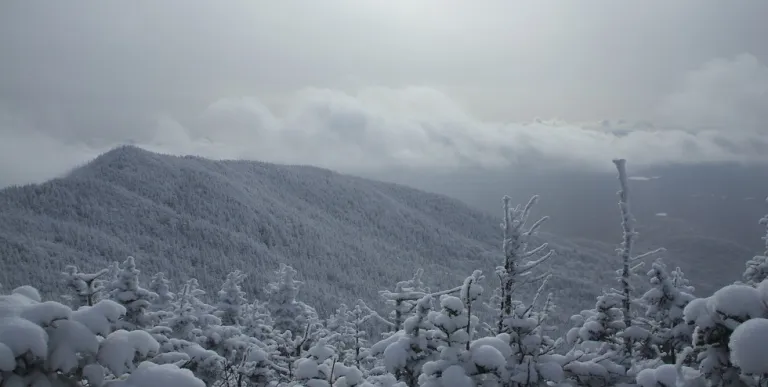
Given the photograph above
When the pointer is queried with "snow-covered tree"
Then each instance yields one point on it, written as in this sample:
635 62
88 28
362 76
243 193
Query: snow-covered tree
288 314
315 368
342 334
361 316
597 352
517 268
665 302
406 351
48 344
471 291
403 299
757 267
748 345
529 361
258 322
161 286
628 266
127 291
714 320
452 324
86 288
232 300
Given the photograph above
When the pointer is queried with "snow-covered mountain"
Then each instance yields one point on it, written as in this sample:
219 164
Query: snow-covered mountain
348 237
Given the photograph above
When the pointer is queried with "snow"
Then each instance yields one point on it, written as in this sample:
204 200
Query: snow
66 340
737 301
7 358
762 288
663 376
451 303
29 292
697 313
94 374
306 369
488 357
153 375
551 371
635 333
119 349
22 336
500 343
100 318
45 313
396 355
455 376
749 346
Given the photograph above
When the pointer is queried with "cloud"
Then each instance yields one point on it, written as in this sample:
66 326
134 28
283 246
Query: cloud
730 94
377 128
418 127
28 155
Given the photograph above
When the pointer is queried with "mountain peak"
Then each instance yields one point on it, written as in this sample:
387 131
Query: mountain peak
119 158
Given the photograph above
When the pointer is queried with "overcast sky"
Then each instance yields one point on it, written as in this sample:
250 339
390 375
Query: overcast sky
362 83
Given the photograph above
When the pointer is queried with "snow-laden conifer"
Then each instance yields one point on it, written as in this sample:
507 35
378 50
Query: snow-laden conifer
127 291
45 343
665 302
757 267
406 351
162 287
86 288
232 300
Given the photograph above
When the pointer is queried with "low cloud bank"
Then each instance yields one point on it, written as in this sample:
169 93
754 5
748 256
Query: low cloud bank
719 115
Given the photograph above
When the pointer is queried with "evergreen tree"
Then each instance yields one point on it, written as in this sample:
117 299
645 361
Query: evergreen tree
403 299
162 287
597 352
665 303
87 288
757 267
127 291
406 351
232 300
288 314
714 319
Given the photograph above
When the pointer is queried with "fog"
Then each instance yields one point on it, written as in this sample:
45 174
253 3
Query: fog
362 86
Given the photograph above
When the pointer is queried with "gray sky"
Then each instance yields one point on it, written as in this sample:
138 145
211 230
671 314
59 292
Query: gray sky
415 82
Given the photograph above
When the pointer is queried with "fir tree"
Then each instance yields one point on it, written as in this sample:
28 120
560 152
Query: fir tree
757 267
232 300
665 303
162 287
87 288
127 291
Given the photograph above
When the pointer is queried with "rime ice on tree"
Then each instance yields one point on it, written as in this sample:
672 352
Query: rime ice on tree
126 291
516 271
757 267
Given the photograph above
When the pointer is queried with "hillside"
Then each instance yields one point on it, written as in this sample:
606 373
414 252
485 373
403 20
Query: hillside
192 217
348 237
